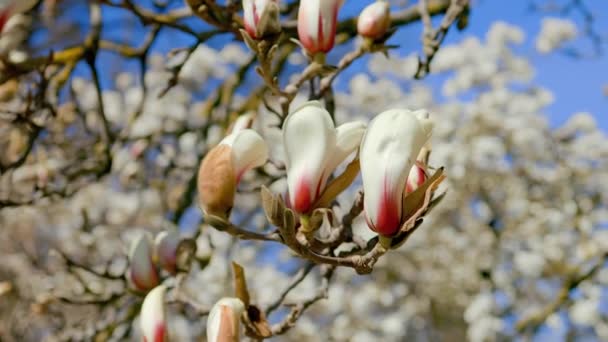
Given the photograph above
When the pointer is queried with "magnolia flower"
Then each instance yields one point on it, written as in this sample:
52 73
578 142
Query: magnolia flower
152 316
374 20
317 20
224 318
165 251
388 152
261 17
223 167
142 272
313 149
8 8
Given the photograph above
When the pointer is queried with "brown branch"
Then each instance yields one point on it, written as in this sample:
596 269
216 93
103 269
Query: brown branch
534 320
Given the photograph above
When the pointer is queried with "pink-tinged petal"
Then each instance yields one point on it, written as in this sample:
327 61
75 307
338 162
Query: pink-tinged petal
303 199
152 316
317 20
374 20
223 324
142 271
261 17
388 219
328 24
308 22
249 15
249 150
387 153
166 244
416 177
309 138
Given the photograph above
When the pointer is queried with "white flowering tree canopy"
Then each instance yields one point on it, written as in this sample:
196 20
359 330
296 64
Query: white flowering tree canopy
303 170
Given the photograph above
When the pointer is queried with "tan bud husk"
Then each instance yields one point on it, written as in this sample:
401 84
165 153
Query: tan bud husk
217 182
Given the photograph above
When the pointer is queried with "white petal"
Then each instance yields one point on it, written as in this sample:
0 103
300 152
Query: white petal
224 318
242 122
308 14
248 14
348 139
374 19
152 316
249 150
309 137
141 268
388 151
328 12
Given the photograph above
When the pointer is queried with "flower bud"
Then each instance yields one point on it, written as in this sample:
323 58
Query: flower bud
166 244
416 178
261 18
223 324
374 20
8 8
388 151
152 316
242 122
142 272
317 21
313 150
223 167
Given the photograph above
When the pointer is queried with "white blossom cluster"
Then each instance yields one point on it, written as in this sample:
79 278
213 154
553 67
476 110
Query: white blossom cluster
554 32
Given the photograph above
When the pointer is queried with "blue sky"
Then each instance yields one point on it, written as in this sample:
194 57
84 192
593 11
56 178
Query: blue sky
576 83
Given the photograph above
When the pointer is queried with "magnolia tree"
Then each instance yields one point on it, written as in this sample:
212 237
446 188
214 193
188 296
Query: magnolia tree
249 190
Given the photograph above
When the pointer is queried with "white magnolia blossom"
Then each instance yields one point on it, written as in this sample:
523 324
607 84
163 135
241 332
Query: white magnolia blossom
554 32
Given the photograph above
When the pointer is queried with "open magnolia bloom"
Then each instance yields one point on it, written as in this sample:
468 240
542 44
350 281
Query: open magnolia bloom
8 8
313 149
152 316
317 21
223 167
223 324
388 152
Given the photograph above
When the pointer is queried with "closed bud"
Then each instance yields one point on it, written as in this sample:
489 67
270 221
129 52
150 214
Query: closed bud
223 324
152 318
223 167
165 250
142 273
314 147
374 20
388 151
317 22
261 18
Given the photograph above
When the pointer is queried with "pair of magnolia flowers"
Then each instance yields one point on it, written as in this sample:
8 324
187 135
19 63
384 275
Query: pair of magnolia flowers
388 146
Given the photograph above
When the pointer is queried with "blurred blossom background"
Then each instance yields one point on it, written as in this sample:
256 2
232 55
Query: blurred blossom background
516 250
